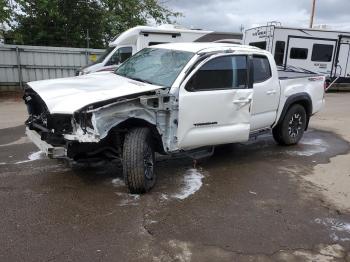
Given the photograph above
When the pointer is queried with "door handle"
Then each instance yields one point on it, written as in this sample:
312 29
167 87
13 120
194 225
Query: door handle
241 101
271 92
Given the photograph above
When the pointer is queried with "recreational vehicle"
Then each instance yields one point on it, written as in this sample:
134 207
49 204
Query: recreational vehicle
139 37
322 51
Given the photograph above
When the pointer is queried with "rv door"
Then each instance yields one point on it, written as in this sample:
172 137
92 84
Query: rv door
313 54
343 64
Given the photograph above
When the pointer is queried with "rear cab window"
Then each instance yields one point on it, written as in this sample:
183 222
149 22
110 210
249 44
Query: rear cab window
261 68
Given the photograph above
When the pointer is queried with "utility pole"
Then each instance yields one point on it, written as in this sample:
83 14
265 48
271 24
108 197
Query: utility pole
312 13
87 39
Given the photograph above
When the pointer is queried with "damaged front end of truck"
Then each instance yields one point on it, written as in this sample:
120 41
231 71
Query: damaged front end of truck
97 130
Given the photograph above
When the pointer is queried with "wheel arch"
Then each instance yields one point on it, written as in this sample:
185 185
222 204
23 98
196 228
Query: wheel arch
123 127
304 100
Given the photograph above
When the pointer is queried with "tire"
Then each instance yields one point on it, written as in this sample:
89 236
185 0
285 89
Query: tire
138 161
292 127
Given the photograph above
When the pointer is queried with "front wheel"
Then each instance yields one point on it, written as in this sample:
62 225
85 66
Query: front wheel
291 129
138 161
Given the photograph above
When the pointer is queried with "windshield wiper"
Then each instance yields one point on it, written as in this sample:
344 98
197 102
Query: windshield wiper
140 80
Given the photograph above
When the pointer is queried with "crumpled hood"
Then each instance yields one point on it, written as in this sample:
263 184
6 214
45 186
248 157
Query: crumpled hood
67 95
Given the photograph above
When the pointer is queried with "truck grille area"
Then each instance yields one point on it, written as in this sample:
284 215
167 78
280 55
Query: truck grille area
50 127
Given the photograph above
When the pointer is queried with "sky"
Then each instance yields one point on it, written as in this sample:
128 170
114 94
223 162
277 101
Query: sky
229 15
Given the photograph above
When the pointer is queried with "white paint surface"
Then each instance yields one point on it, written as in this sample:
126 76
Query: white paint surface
66 95
191 184
32 157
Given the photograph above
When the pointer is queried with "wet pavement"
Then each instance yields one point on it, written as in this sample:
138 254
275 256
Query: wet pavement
249 202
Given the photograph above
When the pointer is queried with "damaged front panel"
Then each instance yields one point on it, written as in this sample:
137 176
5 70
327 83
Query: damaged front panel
160 110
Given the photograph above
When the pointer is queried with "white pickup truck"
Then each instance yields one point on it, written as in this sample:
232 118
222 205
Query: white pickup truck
171 98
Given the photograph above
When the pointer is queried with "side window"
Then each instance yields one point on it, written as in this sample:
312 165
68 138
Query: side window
279 52
261 45
262 70
120 56
228 72
299 53
322 53
125 53
156 43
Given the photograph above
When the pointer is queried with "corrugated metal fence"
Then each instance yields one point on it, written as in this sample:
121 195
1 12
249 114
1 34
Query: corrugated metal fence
20 63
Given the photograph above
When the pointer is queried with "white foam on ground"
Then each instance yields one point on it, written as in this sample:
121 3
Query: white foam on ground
130 200
191 184
118 182
337 227
2 163
309 147
32 157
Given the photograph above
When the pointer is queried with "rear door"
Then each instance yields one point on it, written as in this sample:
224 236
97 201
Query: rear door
266 92
311 53
214 103
343 65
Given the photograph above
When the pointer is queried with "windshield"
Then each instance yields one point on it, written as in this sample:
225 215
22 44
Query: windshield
154 65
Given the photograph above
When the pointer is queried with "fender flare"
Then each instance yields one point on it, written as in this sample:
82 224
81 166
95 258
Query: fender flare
301 98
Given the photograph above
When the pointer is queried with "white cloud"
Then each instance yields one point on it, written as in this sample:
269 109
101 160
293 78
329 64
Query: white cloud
229 15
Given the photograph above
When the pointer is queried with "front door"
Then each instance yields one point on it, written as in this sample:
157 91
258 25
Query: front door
214 103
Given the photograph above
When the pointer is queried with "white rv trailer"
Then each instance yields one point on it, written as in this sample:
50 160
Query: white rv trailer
322 51
139 37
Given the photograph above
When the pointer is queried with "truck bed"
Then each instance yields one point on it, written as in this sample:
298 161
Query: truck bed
294 72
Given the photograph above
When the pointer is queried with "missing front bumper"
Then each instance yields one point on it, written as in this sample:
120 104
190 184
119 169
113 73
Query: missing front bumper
49 150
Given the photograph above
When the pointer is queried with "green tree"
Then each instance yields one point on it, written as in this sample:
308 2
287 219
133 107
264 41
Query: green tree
67 22
59 22
124 14
5 11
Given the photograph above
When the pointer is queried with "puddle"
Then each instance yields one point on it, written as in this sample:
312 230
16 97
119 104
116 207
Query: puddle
340 230
309 147
192 182
32 157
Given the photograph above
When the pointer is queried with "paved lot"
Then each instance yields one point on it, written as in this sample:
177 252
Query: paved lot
249 202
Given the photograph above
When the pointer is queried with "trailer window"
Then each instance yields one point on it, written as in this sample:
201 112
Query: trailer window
261 45
156 43
262 70
279 52
322 53
120 56
229 72
299 53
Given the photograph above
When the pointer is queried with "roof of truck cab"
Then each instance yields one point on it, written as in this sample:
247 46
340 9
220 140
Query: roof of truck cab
203 47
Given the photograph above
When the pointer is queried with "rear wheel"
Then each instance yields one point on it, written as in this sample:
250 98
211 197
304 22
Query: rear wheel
138 161
291 129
